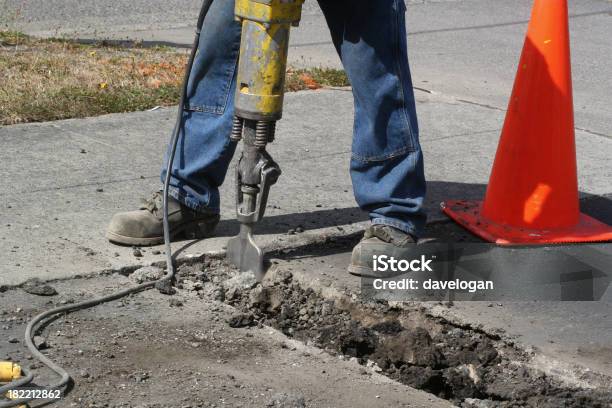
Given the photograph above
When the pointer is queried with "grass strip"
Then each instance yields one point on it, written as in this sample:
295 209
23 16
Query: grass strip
52 79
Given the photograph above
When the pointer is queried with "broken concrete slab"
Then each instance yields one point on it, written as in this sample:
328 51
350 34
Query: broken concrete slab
309 296
568 340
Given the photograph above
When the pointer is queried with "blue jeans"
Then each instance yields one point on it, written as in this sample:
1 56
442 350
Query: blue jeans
387 161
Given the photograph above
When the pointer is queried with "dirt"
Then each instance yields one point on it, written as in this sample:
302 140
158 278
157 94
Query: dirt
153 350
450 362
219 338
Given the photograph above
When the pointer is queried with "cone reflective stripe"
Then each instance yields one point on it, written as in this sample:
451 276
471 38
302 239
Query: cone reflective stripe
532 196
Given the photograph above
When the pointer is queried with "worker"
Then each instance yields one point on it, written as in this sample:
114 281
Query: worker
386 164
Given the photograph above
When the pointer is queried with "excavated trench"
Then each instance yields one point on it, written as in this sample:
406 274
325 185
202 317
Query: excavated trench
470 368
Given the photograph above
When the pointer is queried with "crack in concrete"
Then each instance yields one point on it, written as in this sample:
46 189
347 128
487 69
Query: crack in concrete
592 132
483 132
482 105
88 184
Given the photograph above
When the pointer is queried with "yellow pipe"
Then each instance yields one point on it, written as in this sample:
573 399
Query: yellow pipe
9 371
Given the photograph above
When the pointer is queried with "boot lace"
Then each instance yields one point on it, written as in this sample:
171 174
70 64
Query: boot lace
390 235
152 204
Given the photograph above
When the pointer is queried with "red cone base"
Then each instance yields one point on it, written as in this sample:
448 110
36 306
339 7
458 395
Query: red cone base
468 215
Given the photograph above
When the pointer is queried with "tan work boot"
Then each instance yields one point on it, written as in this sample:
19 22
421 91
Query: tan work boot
380 240
144 226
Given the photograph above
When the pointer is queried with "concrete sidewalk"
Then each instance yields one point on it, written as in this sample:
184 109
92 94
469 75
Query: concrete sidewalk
64 180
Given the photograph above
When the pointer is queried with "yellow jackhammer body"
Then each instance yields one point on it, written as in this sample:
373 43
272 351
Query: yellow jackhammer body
266 25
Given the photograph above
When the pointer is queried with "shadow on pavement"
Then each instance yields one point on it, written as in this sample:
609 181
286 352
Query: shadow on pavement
599 207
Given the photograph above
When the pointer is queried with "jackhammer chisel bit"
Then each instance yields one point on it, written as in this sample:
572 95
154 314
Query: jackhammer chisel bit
256 172
266 25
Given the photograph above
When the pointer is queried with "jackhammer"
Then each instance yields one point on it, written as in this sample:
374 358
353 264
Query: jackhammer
266 25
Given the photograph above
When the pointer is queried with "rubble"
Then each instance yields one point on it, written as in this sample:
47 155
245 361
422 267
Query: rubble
39 288
147 274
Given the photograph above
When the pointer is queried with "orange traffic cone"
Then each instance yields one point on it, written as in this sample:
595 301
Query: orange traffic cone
532 197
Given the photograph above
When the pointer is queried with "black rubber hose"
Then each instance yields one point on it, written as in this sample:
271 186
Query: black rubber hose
170 271
26 378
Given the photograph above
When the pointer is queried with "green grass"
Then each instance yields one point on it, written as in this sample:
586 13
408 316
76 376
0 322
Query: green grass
12 38
79 102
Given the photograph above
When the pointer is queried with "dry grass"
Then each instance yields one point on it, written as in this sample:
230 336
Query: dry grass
315 78
42 80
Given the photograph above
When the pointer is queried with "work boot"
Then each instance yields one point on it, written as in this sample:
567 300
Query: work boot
380 240
144 226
